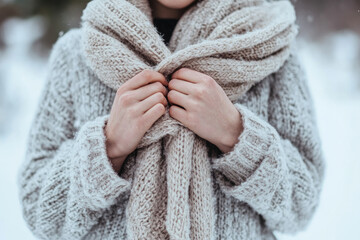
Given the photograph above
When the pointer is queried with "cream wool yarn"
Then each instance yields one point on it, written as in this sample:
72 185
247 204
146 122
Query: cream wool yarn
174 186
238 43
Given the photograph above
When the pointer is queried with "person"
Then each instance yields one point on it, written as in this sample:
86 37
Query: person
265 149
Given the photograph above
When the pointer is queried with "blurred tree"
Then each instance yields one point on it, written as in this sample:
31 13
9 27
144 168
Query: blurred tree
6 12
60 15
317 18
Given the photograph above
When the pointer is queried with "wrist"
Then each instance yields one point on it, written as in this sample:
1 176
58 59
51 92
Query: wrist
231 137
117 163
115 159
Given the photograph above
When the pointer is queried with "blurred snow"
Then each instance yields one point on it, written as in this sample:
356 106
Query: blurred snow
21 79
332 66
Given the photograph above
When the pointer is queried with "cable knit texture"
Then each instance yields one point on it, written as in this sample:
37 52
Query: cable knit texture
175 185
120 41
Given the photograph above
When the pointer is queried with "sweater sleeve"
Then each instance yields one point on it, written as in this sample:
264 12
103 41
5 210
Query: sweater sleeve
66 181
277 166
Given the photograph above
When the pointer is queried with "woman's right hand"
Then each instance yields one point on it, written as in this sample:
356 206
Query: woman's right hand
138 103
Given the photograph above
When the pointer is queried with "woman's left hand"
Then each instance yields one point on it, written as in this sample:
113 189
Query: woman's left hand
204 108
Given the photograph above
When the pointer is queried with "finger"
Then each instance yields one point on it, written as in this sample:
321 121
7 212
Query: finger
149 102
181 86
153 114
179 98
145 77
189 75
179 114
148 90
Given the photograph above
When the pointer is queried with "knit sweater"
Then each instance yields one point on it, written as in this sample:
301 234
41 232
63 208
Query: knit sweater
270 181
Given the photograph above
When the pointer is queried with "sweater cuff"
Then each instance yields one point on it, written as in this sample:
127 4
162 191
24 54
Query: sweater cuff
247 154
94 175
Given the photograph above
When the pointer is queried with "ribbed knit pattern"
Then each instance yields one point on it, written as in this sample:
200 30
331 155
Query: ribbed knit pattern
270 181
250 41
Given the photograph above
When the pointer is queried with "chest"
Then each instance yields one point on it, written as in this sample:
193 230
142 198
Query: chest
92 98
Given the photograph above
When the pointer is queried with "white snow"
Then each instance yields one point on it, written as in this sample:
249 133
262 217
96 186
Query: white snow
332 67
22 77
333 72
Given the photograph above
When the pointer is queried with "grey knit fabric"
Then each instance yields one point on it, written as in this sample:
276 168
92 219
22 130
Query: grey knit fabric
68 189
237 43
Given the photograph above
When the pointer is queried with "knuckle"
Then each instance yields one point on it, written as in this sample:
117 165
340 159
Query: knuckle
171 83
208 80
157 111
171 111
182 70
199 91
146 73
119 92
158 96
195 105
125 98
171 94
160 108
158 86
163 99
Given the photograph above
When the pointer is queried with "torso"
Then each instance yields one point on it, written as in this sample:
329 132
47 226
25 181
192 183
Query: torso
91 98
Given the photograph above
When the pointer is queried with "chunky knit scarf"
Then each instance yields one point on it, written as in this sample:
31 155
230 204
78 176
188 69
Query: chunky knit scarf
236 42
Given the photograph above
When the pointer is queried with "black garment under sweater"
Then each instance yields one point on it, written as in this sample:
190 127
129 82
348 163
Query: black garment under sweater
165 27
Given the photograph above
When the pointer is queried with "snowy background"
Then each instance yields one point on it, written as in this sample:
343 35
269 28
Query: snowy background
332 63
